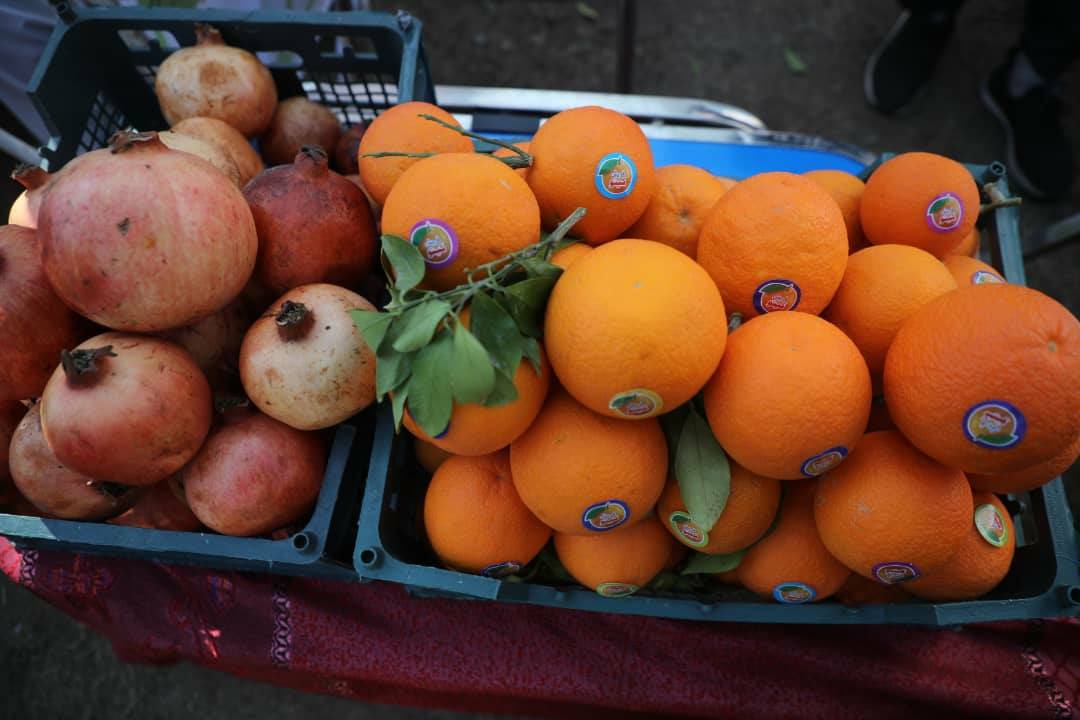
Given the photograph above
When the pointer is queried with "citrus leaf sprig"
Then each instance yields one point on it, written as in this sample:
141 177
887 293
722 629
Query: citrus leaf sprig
426 359
520 159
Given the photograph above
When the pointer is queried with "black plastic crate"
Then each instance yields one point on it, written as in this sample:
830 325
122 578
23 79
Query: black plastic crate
1044 580
97 72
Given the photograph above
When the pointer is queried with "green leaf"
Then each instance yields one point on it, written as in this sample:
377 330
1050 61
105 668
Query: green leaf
419 324
503 392
701 467
531 349
497 332
372 325
405 260
526 301
397 402
700 563
392 369
794 62
536 267
431 400
609 165
472 376
672 424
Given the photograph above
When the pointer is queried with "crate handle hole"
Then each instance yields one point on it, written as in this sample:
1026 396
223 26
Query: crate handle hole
304 541
369 557
1073 594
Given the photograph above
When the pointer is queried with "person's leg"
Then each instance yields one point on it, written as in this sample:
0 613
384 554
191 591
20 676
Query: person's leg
903 62
1024 96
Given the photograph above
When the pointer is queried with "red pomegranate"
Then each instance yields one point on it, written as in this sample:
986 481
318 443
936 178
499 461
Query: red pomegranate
161 507
313 225
36 323
130 408
142 238
24 211
10 416
305 363
58 490
298 122
254 474
347 149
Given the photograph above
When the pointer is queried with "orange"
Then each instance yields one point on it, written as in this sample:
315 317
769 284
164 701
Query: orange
790 564
399 129
971 271
981 560
475 520
1030 477
882 287
726 182
461 210
920 199
862 591
568 255
616 563
775 241
749 512
428 455
594 158
478 430
504 152
969 245
791 396
891 513
582 473
681 199
846 190
984 378
731 577
634 329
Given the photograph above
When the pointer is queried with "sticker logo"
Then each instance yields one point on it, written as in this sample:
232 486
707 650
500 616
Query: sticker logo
615 176
606 515
995 424
982 277
944 212
776 295
688 531
436 241
824 462
991 525
616 589
501 570
637 403
793 593
891 573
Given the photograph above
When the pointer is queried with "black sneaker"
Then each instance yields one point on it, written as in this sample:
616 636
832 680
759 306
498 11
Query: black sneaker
903 62
1038 154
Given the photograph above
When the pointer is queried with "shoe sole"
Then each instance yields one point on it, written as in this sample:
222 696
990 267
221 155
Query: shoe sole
998 112
871 63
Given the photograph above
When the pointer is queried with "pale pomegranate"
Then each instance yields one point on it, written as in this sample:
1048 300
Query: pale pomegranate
305 363
254 474
141 238
10 415
228 139
56 489
24 210
200 148
214 342
161 507
298 122
130 408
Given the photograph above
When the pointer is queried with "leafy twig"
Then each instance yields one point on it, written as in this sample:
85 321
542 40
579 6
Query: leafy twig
523 159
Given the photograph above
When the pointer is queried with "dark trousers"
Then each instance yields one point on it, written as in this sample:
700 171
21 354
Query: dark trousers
1051 35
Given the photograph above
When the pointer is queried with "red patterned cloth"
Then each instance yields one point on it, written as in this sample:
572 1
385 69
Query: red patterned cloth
374 642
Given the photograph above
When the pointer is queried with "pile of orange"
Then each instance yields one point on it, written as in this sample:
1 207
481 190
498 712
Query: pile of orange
870 381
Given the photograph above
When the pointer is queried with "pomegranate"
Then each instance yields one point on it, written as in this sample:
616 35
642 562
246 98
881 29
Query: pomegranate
214 342
254 474
313 225
24 210
58 490
36 322
375 209
142 238
209 152
10 415
347 150
298 122
161 507
305 363
214 80
228 139
130 408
